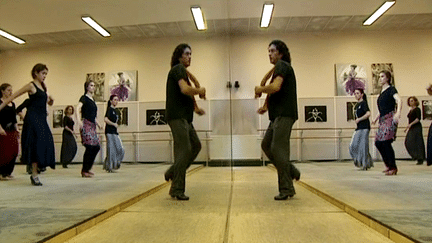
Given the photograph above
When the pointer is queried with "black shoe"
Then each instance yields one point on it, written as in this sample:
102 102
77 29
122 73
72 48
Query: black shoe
35 181
282 196
181 197
64 166
168 176
419 162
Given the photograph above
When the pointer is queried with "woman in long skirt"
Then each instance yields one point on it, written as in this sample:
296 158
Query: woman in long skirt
359 147
115 151
87 111
414 142
69 145
8 134
37 142
429 138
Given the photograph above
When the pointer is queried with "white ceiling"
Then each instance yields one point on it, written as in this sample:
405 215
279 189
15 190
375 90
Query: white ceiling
58 22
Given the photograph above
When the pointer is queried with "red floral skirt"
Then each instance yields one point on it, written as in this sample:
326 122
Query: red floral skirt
8 147
387 128
88 133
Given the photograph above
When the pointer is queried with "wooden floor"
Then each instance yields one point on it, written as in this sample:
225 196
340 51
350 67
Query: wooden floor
231 205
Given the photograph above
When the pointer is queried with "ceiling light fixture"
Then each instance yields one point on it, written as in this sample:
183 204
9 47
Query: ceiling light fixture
381 10
198 18
11 37
95 26
266 15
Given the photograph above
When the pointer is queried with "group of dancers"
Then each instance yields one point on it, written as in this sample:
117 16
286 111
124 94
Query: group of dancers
37 142
181 89
388 119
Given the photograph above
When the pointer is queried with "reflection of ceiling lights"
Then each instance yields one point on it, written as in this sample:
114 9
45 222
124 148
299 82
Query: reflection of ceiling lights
95 26
266 14
386 5
198 17
11 37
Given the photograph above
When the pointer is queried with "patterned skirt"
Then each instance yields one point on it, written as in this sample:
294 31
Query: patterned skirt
8 147
387 128
359 149
88 133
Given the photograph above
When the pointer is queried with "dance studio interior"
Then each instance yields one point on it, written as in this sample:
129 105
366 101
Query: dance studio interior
231 183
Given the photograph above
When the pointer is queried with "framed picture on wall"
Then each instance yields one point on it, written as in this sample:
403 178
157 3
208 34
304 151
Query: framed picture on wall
427 109
156 117
351 110
123 84
315 113
99 80
57 118
123 116
376 69
350 77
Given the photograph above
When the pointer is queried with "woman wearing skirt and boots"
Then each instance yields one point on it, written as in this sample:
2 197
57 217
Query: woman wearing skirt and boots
87 111
69 146
414 142
115 151
388 121
359 147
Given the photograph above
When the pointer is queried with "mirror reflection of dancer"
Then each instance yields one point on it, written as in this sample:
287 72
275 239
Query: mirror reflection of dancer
122 90
414 142
352 82
37 142
359 146
281 103
388 121
86 117
114 146
8 134
180 105
69 145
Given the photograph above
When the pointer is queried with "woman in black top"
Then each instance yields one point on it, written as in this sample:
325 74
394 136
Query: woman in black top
115 151
8 134
359 147
388 121
37 143
87 112
414 139
69 146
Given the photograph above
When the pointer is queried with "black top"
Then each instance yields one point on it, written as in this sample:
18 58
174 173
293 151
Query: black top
38 102
360 110
68 122
89 108
8 117
178 105
24 105
413 114
386 101
112 115
284 102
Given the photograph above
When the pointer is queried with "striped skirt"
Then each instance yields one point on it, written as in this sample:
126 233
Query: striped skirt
359 149
115 152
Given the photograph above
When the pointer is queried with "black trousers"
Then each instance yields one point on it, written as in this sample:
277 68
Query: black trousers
276 145
7 169
387 153
89 157
186 148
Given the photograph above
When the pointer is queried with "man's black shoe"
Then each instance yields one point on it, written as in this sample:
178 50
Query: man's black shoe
282 197
168 176
182 197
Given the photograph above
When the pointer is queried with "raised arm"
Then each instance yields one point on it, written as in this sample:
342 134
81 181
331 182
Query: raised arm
28 88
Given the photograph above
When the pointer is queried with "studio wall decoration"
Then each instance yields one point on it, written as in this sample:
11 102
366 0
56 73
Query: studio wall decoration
351 110
350 77
123 113
57 118
99 80
123 84
315 113
156 117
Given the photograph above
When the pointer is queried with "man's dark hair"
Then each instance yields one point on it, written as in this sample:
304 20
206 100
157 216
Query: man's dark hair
283 49
178 52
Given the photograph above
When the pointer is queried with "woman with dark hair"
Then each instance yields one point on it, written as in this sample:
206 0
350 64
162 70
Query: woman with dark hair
414 142
36 140
359 147
388 121
115 151
8 134
429 138
86 116
69 146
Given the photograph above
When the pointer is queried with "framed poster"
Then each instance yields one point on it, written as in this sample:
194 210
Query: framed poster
427 109
57 118
350 77
99 80
123 116
351 110
156 117
123 84
315 113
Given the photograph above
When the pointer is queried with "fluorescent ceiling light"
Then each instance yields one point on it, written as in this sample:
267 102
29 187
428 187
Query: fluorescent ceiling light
11 37
266 15
198 17
386 5
95 26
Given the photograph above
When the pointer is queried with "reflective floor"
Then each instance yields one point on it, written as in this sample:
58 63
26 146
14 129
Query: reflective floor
226 205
